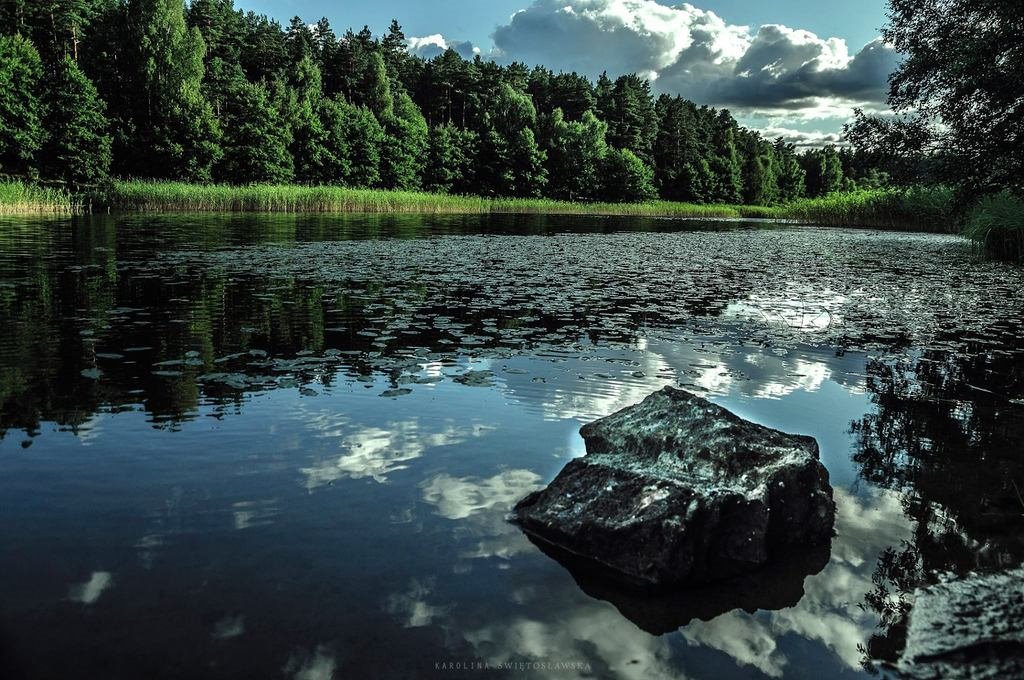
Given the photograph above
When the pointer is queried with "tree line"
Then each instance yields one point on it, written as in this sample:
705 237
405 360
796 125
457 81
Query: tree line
206 92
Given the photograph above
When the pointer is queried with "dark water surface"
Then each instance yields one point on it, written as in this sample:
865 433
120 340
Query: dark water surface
237 447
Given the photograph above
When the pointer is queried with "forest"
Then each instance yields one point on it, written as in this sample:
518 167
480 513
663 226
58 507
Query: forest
206 92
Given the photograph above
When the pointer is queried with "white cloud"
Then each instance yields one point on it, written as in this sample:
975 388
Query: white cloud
377 452
411 607
90 591
461 497
229 627
319 665
802 139
619 36
430 46
693 52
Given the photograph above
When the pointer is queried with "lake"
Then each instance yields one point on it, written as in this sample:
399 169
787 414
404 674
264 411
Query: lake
286 446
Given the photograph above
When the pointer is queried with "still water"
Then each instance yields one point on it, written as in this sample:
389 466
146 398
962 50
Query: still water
285 447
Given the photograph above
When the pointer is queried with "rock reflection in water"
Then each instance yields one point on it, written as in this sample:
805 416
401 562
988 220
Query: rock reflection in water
776 586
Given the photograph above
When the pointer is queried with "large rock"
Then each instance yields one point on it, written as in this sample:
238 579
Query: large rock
677 490
967 628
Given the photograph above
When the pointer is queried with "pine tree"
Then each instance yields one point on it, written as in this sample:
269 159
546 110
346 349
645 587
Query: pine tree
57 26
325 43
701 181
335 121
21 109
264 54
832 176
78 149
512 163
393 47
222 26
824 171
675 149
299 40
451 159
760 186
527 175
631 118
573 94
603 97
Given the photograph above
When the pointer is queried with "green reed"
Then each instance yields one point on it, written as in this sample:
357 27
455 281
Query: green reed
997 224
19 198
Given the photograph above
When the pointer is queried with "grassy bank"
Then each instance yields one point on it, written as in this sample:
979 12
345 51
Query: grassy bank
17 198
998 222
924 209
915 209
921 209
177 197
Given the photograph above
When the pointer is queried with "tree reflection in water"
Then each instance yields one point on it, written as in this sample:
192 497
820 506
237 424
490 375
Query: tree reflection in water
945 435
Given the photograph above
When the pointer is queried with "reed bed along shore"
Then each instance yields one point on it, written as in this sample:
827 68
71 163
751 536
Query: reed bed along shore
18 198
996 223
178 197
915 209
918 209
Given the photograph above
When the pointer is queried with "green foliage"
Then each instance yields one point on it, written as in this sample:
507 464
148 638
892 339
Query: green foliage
824 172
451 159
316 161
21 108
79 146
526 174
575 152
55 27
376 88
629 112
957 94
511 161
365 137
626 177
179 136
790 177
200 89
222 26
997 223
725 163
256 139
913 208
404 154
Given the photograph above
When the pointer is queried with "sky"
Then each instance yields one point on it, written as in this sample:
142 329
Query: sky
794 68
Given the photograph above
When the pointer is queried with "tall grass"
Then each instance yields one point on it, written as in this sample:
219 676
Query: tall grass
175 196
19 198
923 209
926 209
997 224
913 209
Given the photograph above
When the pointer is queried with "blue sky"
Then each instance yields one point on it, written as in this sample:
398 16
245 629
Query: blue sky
794 68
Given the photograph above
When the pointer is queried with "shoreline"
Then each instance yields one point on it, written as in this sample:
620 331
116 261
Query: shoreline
925 210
